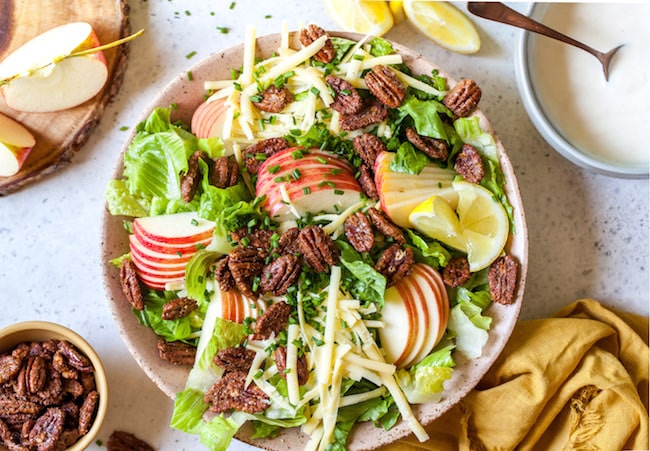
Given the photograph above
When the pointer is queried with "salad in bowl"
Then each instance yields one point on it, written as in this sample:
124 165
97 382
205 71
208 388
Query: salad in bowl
314 237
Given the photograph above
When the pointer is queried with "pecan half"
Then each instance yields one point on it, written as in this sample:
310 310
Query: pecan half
280 274
456 272
223 275
385 226
431 147
463 97
368 146
192 178
87 412
35 374
367 181
273 321
502 279
383 84
258 152
301 365
230 392
224 172
372 112
253 238
9 367
358 231
469 164
319 250
394 263
274 99
130 284
47 429
75 358
234 359
178 308
176 352
125 441
60 364
346 97
312 33
288 242
245 264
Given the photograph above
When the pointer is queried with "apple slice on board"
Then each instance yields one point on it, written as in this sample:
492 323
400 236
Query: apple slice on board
208 119
42 78
15 144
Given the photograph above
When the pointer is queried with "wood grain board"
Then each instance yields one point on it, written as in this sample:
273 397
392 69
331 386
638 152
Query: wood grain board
59 135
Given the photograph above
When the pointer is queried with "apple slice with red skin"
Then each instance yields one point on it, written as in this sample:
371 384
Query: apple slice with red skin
177 228
41 76
156 258
208 119
313 181
400 192
15 144
145 263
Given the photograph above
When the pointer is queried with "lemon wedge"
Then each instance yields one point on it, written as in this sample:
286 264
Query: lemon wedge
444 24
479 225
367 17
397 8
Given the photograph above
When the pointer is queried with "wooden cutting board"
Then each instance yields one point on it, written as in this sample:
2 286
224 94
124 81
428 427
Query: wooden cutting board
59 135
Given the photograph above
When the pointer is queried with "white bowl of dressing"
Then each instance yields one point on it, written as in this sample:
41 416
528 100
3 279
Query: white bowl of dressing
600 125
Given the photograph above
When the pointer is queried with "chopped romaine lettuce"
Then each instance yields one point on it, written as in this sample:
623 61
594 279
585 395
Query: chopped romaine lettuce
368 284
217 433
121 202
428 251
423 382
469 332
408 160
189 408
425 116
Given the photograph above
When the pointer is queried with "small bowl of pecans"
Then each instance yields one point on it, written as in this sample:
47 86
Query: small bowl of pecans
53 388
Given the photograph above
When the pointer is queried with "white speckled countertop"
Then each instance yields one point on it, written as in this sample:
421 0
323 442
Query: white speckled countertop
588 233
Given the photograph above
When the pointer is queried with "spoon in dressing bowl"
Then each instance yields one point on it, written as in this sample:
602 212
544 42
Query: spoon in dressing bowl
501 13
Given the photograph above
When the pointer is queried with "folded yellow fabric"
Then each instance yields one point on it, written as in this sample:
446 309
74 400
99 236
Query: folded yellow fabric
577 381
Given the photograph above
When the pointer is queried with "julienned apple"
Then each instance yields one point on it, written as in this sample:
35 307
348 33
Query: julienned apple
16 142
297 181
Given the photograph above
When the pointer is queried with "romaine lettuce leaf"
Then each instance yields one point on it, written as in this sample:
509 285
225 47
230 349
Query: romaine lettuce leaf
189 408
121 202
428 251
425 116
217 433
408 160
469 329
368 284
423 382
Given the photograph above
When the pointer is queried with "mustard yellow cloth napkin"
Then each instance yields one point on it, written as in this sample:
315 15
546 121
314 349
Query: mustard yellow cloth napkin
578 381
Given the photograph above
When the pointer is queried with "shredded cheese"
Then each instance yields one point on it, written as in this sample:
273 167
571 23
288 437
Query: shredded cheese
292 364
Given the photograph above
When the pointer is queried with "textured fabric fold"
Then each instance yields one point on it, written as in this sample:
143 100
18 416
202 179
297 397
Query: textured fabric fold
576 381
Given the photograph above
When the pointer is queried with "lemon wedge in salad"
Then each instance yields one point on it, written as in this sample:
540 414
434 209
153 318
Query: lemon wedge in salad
367 17
444 24
478 226
397 8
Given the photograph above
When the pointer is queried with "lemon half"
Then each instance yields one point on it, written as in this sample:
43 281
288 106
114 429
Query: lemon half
367 17
479 226
444 24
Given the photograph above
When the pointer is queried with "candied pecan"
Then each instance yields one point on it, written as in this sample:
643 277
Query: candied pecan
75 358
274 99
372 112
87 412
176 352
52 393
502 278
318 248
178 308
47 429
288 242
223 275
358 231
280 274
367 181
36 374
346 97
73 388
130 284
456 272
125 441
368 146
469 164
88 381
383 84
224 172
60 364
385 226
432 147
230 392
394 263
245 264
236 358
265 148
254 238
21 351
312 33
463 97
192 178
67 438
301 365
273 321
14 404
9 367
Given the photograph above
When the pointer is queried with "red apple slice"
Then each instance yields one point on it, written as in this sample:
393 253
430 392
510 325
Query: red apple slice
42 78
178 228
155 257
413 293
159 283
399 331
15 144
208 119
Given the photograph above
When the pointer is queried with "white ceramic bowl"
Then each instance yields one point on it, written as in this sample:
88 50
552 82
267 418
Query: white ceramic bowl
542 120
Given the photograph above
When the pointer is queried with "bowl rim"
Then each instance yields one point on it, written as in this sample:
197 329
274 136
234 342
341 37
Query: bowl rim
544 124
101 380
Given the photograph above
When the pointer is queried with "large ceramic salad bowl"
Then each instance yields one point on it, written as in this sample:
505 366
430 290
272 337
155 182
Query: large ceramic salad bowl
186 94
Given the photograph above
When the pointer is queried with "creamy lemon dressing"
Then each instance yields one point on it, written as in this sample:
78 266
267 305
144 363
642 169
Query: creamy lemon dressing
609 120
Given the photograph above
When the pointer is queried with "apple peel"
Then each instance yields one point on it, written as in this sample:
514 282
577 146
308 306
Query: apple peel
16 142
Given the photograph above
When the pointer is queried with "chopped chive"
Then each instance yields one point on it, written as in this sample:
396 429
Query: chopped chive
190 55
245 241
256 98
346 92
194 222
321 160
237 86
295 174
174 106
295 132
189 76
314 90
338 192
335 171
223 30
236 115
124 128
268 16
358 57
306 190
297 154
279 180
187 13
232 5
260 156
318 341
326 183
274 169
